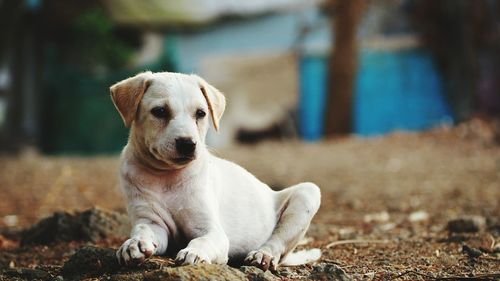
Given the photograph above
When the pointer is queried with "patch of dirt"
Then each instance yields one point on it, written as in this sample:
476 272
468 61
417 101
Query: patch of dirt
91 225
401 207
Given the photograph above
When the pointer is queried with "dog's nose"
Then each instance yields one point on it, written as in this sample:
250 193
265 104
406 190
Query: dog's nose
185 146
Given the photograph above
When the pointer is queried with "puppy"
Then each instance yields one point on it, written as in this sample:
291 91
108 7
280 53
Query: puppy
182 199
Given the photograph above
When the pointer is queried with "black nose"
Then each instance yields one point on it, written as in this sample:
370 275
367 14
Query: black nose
185 146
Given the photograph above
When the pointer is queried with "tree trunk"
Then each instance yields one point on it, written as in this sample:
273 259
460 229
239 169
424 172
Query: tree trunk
343 66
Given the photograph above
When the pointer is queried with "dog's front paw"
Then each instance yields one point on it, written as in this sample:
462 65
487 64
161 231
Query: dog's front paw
190 256
262 259
134 251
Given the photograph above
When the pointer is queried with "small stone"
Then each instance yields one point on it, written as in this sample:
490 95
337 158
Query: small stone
346 233
471 252
11 220
418 216
496 249
377 217
466 224
387 226
328 271
256 274
284 271
292 273
493 224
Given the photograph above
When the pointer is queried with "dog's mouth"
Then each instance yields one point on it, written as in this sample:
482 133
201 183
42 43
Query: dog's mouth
182 160
171 161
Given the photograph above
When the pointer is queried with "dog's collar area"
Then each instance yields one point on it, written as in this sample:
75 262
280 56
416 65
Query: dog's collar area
152 164
159 170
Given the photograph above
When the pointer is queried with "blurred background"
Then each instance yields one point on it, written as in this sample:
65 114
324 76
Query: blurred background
294 68
311 86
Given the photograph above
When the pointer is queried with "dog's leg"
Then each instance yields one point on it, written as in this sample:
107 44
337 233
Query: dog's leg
146 239
297 205
212 247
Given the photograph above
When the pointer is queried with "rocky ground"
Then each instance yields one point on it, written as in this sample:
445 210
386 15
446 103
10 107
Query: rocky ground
402 207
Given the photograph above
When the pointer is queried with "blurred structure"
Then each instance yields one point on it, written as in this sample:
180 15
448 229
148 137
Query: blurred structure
396 65
395 83
464 39
172 12
17 61
262 91
342 65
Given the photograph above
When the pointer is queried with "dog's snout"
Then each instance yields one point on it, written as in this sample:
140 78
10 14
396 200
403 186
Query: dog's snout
185 146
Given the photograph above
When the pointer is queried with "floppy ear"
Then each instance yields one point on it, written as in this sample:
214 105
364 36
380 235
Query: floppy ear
127 95
215 99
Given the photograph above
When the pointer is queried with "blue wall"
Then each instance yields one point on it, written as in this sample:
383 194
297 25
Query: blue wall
395 90
398 91
313 90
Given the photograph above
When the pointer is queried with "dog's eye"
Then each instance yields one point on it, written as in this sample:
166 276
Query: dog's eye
200 114
159 112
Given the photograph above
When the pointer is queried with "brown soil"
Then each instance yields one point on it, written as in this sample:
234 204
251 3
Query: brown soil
393 196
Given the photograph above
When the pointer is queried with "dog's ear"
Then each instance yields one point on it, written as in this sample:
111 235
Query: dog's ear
127 95
215 99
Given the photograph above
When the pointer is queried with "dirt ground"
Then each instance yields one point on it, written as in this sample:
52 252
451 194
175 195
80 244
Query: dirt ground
386 207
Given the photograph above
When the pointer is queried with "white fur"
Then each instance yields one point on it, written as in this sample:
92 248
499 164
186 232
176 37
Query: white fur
213 208
301 257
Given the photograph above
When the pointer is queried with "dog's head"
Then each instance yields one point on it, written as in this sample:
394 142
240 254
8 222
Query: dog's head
168 114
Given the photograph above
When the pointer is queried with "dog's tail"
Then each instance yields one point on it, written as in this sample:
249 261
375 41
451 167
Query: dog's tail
302 257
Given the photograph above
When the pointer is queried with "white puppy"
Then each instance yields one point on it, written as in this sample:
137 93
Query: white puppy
182 199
